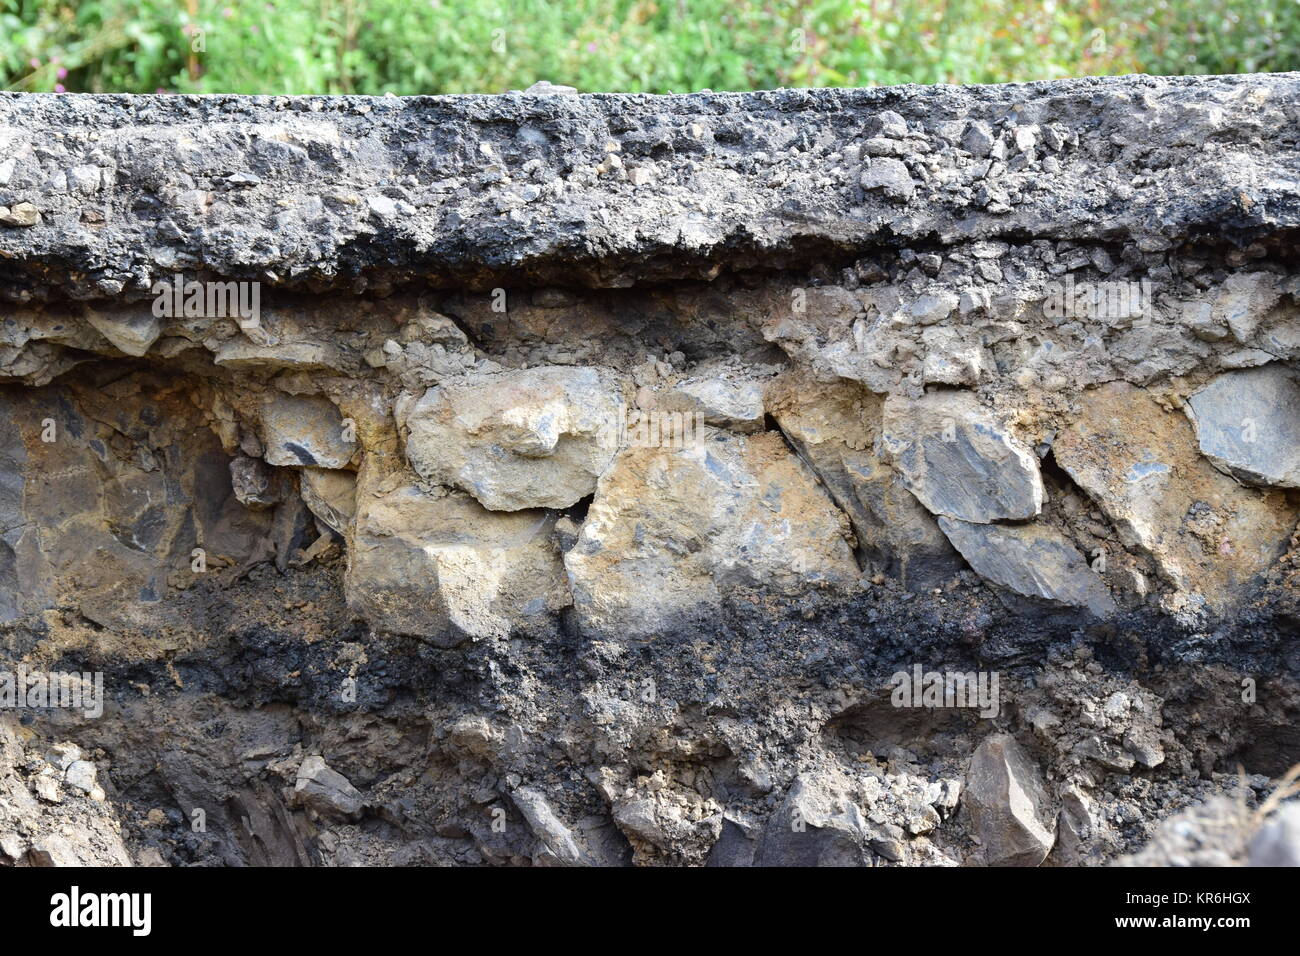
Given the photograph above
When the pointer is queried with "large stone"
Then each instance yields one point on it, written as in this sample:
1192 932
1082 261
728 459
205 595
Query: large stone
257 485
1248 424
131 330
92 520
890 176
959 460
1243 301
671 529
303 430
815 825
532 438
436 564
1031 559
331 495
558 845
728 396
1007 802
835 428
1141 465
326 791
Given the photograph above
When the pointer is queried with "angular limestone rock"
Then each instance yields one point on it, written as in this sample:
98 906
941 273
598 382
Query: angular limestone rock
326 791
1007 803
726 396
131 330
1248 424
815 825
532 438
1030 559
1141 465
835 428
558 845
301 430
436 564
670 529
331 495
86 523
959 460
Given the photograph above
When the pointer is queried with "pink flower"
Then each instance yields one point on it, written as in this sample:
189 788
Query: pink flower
63 72
59 88
34 63
591 46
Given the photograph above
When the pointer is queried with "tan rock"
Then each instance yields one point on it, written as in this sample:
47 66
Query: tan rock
1141 465
436 564
530 438
835 426
671 529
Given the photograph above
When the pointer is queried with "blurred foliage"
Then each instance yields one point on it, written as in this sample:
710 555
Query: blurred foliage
458 46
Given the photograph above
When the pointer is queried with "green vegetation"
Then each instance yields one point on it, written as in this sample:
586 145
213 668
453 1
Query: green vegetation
457 46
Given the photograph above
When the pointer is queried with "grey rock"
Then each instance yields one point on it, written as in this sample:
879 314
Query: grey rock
1030 559
736 844
960 461
890 176
979 139
298 430
1248 424
1007 803
813 826
835 427
326 791
558 845
132 331
255 484
81 775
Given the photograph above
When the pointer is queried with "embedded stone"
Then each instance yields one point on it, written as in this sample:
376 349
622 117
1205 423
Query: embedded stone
835 427
303 430
1142 466
959 460
436 564
528 438
670 529
1007 802
131 331
1248 424
1030 559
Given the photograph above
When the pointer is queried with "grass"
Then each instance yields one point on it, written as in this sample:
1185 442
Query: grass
455 46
